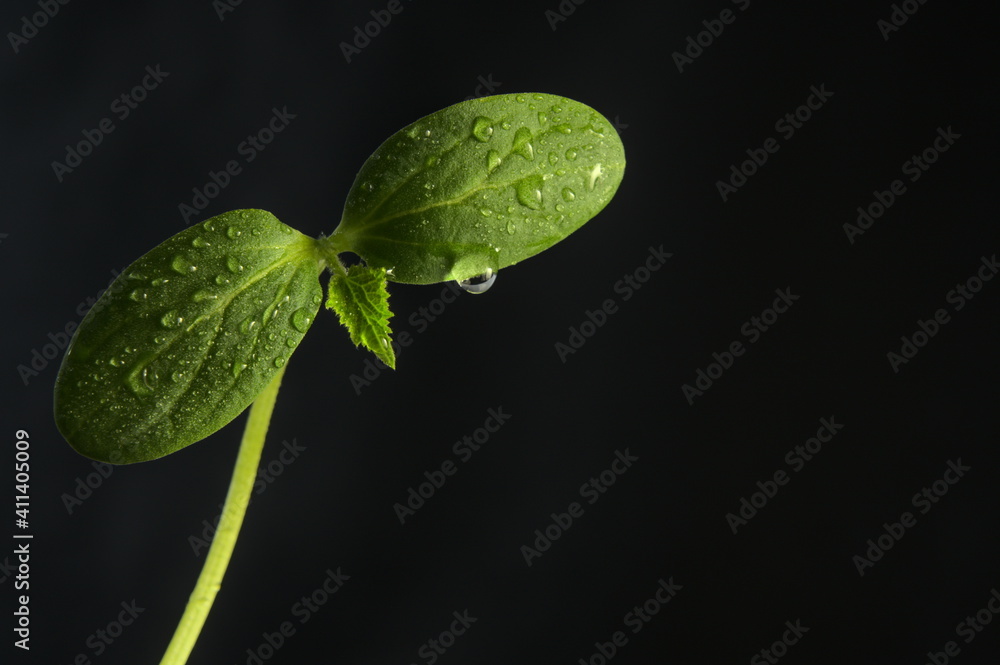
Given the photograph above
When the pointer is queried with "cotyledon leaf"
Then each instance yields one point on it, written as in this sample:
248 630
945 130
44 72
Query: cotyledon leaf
480 186
187 337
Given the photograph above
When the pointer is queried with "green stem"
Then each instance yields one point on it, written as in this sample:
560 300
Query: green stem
235 508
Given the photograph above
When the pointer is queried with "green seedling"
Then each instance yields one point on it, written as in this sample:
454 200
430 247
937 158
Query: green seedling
203 325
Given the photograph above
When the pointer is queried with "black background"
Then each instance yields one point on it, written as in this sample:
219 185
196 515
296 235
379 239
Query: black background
665 518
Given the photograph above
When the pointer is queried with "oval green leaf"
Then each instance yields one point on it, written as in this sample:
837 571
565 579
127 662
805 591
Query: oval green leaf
187 337
480 185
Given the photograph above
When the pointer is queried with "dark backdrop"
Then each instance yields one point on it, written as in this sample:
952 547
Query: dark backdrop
790 573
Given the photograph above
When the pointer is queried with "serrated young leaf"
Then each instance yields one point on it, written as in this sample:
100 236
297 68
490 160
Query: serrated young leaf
481 185
361 300
187 337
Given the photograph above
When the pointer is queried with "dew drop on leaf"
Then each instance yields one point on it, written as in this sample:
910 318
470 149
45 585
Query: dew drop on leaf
571 154
568 194
301 320
522 143
232 232
171 319
182 266
529 192
200 242
482 129
511 227
479 283
233 264
493 160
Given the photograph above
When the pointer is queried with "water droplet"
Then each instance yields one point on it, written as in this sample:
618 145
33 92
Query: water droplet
142 381
208 225
522 143
232 232
202 295
564 128
221 279
138 295
479 283
115 362
598 128
247 325
233 264
482 129
542 118
511 227
493 160
171 319
177 376
557 109
160 339
182 266
568 194
238 368
529 192
427 133
520 98
160 281
200 242
245 215
571 154
255 232
485 212
592 177
505 125
301 320
560 207
290 343
279 361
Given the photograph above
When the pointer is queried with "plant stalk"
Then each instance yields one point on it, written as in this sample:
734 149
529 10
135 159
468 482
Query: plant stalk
233 512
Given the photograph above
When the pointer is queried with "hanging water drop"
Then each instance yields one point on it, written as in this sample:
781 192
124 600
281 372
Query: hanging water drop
479 283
